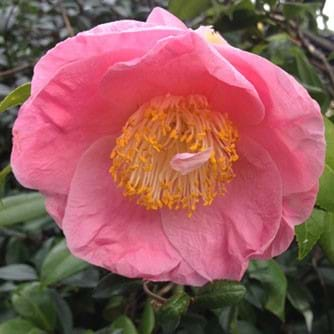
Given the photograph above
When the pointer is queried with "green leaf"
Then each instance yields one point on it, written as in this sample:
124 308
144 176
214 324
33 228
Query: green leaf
219 294
21 208
299 297
187 10
296 10
88 278
19 326
33 302
147 320
306 71
18 272
63 312
245 327
309 233
307 74
125 324
170 313
273 279
60 264
327 237
233 320
16 97
3 175
326 193
111 285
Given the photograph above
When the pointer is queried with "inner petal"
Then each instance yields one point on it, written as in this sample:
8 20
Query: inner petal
175 151
187 162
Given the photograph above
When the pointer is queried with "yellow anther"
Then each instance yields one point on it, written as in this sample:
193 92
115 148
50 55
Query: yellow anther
154 134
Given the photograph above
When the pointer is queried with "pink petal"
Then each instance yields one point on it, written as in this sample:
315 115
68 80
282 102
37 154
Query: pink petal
281 243
55 205
187 162
183 65
70 108
293 131
105 228
56 127
160 16
129 35
218 240
296 209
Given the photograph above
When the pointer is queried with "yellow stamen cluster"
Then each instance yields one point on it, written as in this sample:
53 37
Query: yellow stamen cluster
159 130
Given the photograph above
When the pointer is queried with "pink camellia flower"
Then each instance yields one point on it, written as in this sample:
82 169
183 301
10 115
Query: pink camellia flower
167 154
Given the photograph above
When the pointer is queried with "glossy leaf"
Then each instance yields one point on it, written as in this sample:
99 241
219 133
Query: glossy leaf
19 326
111 285
327 238
63 311
124 324
299 298
18 272
3 175
219 294
170 313
33 302
60 264
21 208
273 279
187 10
309 233
16 97
147 320
326 192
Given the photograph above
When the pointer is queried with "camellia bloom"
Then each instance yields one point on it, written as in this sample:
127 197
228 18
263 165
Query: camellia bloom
167 154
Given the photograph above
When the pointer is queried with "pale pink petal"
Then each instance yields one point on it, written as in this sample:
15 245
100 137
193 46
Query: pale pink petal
55 205
131 36
70 109
296 209
218 240
292 130
281 243
186 162
160 16
183 65
105 228
56 127
185 275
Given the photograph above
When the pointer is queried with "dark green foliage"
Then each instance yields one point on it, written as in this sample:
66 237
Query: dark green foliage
44 289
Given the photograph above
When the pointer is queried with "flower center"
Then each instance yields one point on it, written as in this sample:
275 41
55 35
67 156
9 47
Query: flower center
176 152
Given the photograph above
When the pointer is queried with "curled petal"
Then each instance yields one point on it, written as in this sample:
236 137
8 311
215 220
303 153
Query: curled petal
160 16
293 130
187 162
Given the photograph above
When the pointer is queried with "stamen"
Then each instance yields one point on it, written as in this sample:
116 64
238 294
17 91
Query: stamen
159 135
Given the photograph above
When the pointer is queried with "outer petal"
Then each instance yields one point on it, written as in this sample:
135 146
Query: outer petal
107 229
105 38
218 240
160 16
293 131
182 65
296 209
55 205
70 109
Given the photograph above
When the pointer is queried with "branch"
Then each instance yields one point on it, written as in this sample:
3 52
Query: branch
317 54
66 19
152 294
15 70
